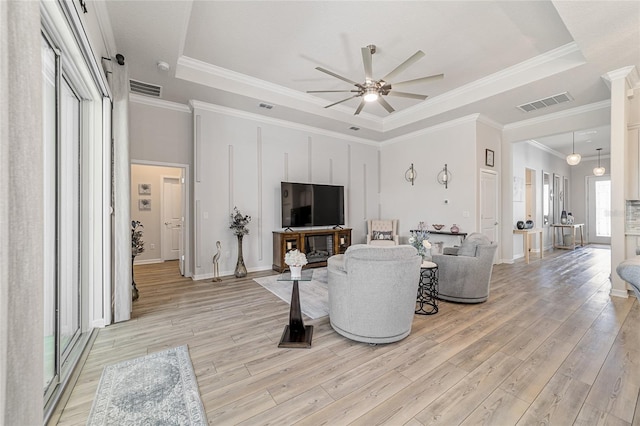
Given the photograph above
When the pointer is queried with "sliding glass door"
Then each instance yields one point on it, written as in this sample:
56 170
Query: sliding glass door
62 201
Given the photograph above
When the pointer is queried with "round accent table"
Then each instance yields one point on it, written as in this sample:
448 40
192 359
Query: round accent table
427 300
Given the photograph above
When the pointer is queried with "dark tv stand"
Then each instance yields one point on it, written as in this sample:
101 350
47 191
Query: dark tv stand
317 244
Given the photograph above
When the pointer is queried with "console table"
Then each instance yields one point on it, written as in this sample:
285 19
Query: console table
525 240
317 244
573 227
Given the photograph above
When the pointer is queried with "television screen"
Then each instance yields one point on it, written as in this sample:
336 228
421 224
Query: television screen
305 204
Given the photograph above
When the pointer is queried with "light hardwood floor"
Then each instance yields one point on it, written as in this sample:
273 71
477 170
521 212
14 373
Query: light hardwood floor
549 347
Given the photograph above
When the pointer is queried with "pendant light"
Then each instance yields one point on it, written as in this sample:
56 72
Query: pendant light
599 171
573 158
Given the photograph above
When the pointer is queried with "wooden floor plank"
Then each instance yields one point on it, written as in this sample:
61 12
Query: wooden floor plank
550 345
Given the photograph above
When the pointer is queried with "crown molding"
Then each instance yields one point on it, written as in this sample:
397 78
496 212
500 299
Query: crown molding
550 63
278 122
159 103
630 74
559 115
441 126
534 143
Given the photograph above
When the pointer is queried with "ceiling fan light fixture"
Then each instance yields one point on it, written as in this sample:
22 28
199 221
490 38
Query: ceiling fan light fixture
370 95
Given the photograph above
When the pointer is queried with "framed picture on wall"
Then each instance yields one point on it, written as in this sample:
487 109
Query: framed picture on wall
488 157
144 189
144 204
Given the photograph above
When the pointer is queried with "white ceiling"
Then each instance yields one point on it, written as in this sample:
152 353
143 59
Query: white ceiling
494 56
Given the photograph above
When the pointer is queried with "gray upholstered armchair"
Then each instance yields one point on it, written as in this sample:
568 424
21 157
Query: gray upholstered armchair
372 292
629 270
466 275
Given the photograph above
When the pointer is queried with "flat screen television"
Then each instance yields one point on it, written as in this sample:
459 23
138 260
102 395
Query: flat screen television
307 204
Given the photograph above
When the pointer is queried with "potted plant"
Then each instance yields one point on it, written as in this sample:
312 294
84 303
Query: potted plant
137 247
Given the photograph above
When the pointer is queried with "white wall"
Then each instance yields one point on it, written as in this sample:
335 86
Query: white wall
240 160
454 144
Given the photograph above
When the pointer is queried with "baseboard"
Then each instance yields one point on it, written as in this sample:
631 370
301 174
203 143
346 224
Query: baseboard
620 293
223 274
99 323
147 261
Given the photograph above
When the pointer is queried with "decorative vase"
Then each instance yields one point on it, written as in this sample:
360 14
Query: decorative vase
241 270
563 217
455 229
296 271
520 224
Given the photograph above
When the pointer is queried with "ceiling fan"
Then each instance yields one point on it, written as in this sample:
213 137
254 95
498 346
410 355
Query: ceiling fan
374 90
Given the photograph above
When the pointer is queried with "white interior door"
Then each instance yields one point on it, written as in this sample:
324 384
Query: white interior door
489 205
171 218
599 209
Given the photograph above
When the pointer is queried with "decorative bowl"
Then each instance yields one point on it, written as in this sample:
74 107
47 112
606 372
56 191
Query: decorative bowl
437 227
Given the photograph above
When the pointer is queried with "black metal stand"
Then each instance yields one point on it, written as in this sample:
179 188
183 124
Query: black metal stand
296 334
428 291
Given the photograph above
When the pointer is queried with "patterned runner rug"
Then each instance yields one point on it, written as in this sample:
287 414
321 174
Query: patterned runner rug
159 388
314 295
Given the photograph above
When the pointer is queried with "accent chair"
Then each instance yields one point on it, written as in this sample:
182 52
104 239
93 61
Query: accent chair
372 292
382 232
464 275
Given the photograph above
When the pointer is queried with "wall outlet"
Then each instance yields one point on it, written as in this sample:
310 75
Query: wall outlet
465 214
152 246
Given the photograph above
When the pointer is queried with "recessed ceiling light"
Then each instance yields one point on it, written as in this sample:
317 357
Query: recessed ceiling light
163 66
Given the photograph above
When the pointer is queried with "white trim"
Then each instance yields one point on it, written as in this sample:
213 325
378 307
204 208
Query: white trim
158 103
545 148
620 293
437 127
99 323
147 261
277 122
559 115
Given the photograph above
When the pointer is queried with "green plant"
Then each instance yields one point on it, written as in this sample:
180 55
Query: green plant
137 245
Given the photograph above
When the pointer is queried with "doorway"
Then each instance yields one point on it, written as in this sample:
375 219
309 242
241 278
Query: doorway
489 206
159 202
599 209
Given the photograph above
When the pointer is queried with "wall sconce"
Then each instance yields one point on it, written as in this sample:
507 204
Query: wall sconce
444 177
599 171
411 175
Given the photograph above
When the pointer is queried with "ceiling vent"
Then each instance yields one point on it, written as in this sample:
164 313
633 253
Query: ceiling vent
146 89
265 105
546 102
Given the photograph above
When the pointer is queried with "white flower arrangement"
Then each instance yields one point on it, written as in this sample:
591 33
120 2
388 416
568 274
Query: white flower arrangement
295 258
420 240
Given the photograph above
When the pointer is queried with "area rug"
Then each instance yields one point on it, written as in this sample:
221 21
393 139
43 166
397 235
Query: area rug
314 295
157 389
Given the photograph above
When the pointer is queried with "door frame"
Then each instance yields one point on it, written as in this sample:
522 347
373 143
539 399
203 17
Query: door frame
186 210
497 208
590 180
162 212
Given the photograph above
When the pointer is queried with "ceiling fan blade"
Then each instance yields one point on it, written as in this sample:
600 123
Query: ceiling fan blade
385 104
407 95
366 60
332 91
359 107
332 74
415 81
344 100
403 66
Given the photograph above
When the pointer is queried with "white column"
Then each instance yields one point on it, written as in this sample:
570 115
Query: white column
620 105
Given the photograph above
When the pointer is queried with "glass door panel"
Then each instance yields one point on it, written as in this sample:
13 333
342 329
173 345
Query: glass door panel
49 65
599 209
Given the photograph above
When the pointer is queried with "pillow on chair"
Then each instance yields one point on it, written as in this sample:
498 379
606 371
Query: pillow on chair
382 235
470 244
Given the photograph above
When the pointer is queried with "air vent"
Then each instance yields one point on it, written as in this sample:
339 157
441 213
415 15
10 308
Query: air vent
264 105
546 102
146 89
